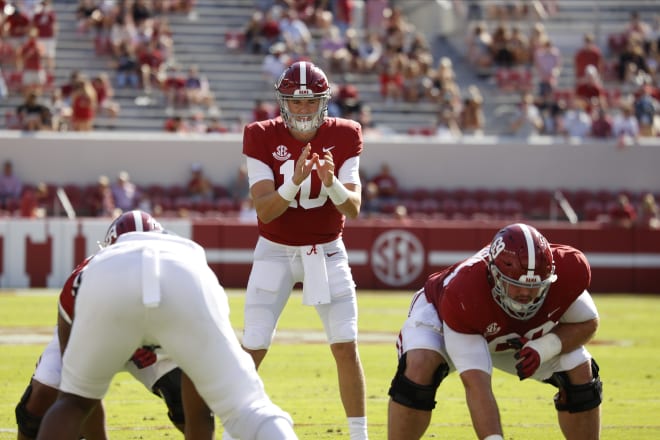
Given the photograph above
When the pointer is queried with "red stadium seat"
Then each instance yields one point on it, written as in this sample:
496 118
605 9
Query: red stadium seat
429 206
450 207
420 194
511 209
593 209
468 207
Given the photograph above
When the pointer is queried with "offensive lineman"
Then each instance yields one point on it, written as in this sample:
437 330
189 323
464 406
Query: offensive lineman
155 371
303 170
520 305
156 289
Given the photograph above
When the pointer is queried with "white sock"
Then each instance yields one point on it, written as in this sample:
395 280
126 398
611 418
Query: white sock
226 436
357 428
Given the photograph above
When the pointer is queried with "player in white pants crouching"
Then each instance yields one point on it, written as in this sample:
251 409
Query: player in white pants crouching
156 289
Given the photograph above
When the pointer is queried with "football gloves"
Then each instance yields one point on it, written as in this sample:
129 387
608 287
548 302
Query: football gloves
145 356
532 353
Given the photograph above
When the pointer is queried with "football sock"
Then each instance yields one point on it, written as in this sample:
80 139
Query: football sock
226 436
357 428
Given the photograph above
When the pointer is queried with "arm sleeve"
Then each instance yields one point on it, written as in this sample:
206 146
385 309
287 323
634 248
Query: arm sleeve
583 309
467 352
350 171
258 171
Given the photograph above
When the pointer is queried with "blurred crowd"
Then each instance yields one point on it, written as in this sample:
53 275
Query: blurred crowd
613 93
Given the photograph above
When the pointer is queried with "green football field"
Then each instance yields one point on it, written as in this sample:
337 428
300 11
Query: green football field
300 376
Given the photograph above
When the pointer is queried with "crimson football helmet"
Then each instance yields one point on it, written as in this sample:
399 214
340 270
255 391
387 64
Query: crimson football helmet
303 80
520 256
131 221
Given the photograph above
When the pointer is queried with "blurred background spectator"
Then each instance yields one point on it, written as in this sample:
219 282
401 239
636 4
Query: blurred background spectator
126 194
622 213
199 188
11 186
101 200
649 212
32 114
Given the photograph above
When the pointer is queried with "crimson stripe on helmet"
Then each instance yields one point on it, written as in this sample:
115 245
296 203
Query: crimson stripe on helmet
531 255
137 219
303 75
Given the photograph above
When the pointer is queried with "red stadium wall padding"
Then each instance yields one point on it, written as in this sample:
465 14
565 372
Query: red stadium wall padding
610 252
647 273
384 254
229 249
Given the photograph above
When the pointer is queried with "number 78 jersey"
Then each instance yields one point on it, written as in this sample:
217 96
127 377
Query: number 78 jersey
311 218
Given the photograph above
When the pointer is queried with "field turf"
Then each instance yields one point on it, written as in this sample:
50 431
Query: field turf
299 373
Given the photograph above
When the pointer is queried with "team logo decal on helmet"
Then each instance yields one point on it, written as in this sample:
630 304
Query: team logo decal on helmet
520 256
303 80
131 221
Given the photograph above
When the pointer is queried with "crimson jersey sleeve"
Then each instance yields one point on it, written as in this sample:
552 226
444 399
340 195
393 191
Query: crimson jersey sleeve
462 295
68 294
311 218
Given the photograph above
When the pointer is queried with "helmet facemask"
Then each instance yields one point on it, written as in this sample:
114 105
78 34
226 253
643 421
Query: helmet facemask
302 81
521 257
303 122
511 307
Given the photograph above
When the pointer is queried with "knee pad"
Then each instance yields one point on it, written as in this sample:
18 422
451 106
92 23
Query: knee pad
168 387
413 395
577 398
28 424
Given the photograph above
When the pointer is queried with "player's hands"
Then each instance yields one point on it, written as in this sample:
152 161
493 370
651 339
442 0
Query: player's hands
528 358
517 343
144 356
535 352
304 165
529 361
326 168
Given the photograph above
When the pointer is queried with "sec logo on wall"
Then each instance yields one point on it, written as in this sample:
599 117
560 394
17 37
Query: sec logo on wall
397 257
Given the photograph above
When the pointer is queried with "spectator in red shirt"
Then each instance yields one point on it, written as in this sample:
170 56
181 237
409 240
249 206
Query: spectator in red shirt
343 12
174 87
67 89
16 25
270 30
101 202
29 62
261 111
387 184
623 213
45 21
588 55
601 124
104 94
199 187
151 63
84 105
391 77
590 88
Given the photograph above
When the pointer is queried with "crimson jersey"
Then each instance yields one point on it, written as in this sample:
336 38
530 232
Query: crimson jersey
311 218
70 289
462 296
